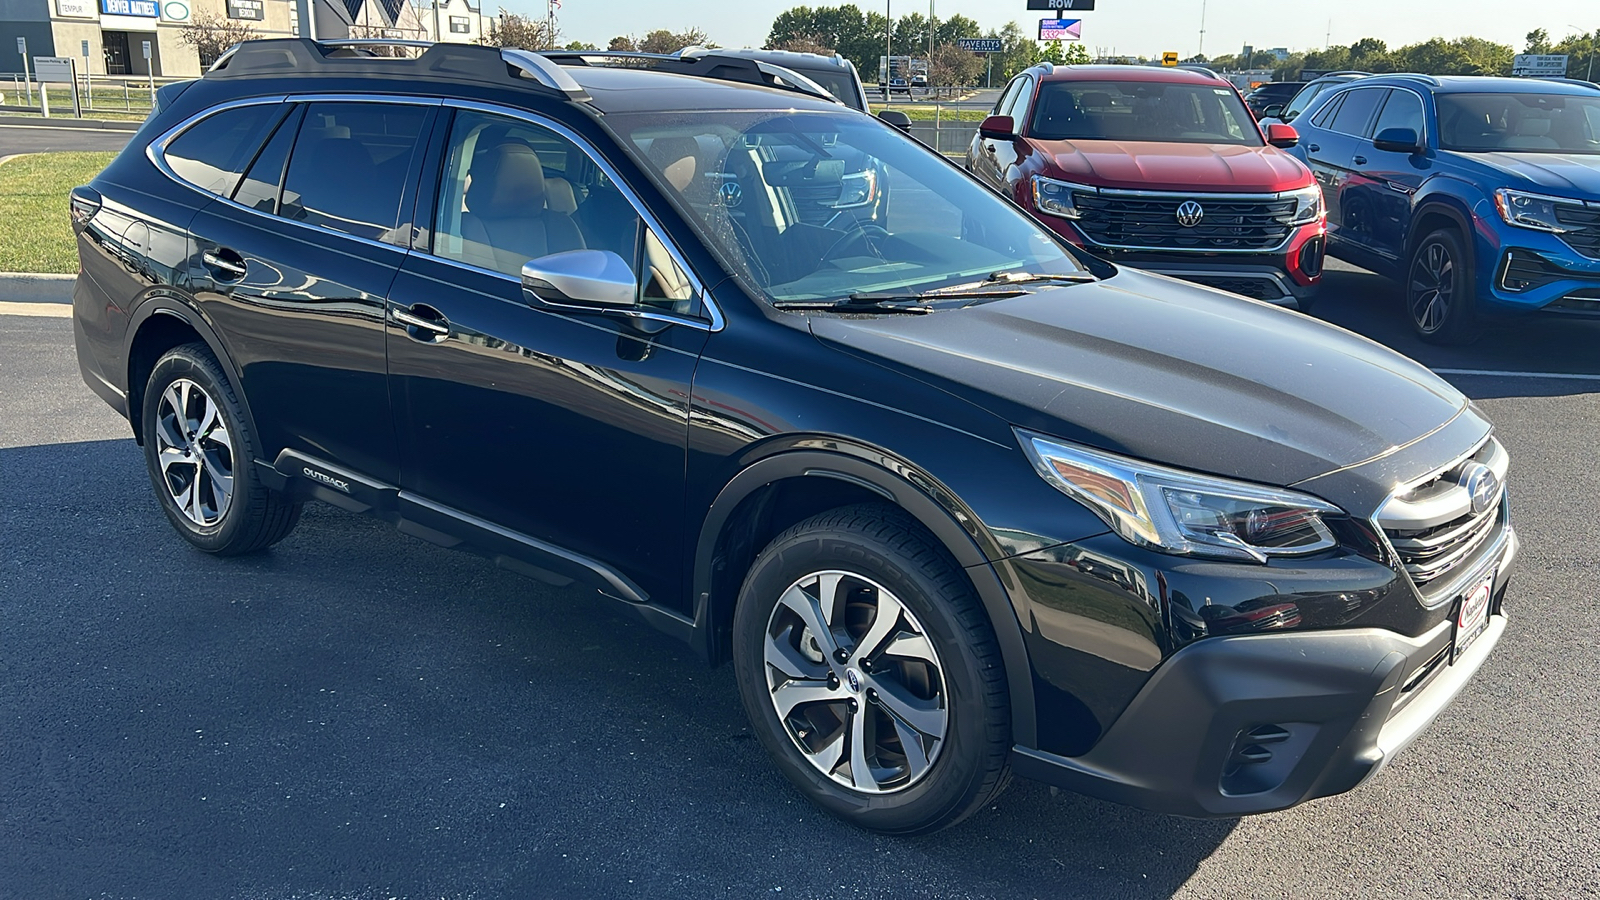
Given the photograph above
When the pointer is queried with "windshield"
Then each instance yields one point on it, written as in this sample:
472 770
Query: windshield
1142 111
1519 123
838 82
822 206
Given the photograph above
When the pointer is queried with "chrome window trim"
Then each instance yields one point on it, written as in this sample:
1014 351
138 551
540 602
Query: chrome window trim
156 150
713 319
1201 196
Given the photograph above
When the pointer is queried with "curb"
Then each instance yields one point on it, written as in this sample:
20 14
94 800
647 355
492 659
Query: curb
56 122
36 287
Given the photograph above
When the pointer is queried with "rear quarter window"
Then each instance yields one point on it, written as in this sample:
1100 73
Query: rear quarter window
212 153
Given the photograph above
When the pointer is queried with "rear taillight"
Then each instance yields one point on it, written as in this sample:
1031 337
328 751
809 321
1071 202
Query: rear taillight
84 202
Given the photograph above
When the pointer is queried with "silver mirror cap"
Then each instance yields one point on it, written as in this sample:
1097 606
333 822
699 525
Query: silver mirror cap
588 277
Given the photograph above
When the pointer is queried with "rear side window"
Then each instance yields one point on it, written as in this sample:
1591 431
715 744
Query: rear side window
259 189
215 150
349 166
1355 114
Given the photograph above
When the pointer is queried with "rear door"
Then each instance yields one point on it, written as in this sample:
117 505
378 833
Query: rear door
293 267
1381 191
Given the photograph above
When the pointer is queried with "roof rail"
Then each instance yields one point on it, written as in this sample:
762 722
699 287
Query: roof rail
1574 81
1343 72
1205 70
375 42
721 66
543 70
1414 76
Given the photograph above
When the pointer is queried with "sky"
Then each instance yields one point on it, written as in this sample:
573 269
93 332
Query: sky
1126 27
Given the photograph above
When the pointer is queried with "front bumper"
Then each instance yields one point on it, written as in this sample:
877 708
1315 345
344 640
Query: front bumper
1235 725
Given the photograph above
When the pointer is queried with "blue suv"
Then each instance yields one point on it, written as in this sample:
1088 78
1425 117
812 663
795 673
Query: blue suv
1482 195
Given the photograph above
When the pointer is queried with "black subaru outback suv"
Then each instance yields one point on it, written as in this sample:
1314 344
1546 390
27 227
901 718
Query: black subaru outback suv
953 498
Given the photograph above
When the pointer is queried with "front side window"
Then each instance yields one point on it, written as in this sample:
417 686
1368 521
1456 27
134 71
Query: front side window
812 206
349 166
1403 110
513 191
211 153
1142 111
1519 123
837 81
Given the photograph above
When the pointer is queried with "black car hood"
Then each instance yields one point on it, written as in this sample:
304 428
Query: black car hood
1167 371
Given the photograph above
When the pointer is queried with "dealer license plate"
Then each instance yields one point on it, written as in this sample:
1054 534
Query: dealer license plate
1472 615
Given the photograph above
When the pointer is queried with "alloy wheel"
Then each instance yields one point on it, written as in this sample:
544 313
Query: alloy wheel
855 682
1432 287
195 452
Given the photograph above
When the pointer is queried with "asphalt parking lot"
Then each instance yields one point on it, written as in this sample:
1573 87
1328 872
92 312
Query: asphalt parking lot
358 714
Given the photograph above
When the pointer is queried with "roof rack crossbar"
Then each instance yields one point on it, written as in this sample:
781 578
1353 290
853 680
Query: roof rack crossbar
723 66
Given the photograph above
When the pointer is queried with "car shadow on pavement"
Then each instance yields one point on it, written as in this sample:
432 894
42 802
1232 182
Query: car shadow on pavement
1374 306
357 713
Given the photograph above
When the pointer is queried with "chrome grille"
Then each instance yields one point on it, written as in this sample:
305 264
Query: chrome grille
1583 224
1151 222
1431 524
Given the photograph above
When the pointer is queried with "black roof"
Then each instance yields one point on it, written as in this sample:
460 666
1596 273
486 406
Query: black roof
621 90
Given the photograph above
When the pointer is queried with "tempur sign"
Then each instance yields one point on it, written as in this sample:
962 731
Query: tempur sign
75 9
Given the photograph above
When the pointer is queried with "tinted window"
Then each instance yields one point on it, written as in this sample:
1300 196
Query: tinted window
1327 112
1403 110
1524 123
1142 111
514 191
837 81
350 164
259 189
1017 104
1301 100
212 153
1355 114
1004 102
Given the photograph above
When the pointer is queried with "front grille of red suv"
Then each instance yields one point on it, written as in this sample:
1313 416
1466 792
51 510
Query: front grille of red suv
1147 220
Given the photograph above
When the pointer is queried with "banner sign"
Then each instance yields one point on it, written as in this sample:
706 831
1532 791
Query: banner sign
1063 5
1060 29
1539 65
980 45
146 8
245 9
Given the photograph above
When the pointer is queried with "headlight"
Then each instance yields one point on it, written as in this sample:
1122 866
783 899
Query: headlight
857 189
1307 205
1055 197
1528 210
1180 512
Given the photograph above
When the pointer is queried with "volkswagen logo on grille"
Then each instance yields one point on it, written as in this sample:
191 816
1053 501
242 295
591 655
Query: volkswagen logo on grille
731 193
1190 213
1482 485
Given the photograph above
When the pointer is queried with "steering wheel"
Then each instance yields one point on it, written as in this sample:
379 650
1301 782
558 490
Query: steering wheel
859 231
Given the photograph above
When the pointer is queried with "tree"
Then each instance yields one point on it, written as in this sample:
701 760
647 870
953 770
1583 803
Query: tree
1538 41
210 34
809 43
1075 54
509 29
951 65
853 34
580 45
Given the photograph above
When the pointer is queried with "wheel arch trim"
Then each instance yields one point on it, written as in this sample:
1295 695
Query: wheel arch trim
942 517
163 305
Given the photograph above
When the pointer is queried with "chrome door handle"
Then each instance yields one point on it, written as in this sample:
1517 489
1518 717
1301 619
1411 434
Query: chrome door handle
1359 160
436 327
1313 147
228 266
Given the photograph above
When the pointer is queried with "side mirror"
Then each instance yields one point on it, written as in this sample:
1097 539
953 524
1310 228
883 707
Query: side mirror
1271 112
581 278
896 118
1398 140
1001 127
1281 135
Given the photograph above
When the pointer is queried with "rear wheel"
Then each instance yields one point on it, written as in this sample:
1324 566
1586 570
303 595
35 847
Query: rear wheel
870 672
1440 298
200 454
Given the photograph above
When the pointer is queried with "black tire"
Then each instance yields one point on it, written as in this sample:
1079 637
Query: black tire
244 519
883 545
1441 300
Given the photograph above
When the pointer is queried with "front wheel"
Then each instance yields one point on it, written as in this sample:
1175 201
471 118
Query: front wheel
870 672
1440 299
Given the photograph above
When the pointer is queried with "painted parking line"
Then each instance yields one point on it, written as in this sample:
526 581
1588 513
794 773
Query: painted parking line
1496 373
46 310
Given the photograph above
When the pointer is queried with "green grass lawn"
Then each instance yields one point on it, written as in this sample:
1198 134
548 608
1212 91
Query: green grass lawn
925 112
35 232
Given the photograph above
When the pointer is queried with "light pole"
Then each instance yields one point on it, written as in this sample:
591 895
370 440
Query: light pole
888 49
1590 76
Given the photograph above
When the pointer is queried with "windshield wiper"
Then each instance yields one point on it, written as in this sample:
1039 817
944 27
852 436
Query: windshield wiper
1035 277
885 301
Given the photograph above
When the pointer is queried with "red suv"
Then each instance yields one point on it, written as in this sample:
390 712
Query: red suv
1162 169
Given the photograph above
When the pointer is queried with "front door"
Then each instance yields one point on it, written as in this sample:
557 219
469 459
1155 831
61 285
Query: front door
565 426
299 257
1330 149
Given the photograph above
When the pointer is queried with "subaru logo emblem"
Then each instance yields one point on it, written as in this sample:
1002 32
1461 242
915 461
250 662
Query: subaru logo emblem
731 193
1482 485
853 680
1190 213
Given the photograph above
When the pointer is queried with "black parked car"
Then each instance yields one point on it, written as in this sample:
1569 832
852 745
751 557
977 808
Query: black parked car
953 497
1271 93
